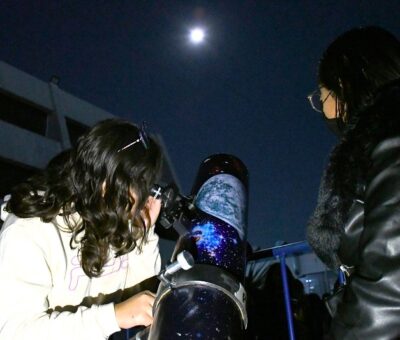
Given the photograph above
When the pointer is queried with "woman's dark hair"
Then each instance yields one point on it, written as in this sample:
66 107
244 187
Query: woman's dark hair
356 65
94 179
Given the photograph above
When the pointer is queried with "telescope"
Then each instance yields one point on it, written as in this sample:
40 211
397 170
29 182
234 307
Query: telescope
201 293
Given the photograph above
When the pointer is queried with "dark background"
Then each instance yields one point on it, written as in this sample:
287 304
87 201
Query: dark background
242 92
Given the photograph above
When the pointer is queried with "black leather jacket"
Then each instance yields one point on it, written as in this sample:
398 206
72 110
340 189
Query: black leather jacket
360 227
370 308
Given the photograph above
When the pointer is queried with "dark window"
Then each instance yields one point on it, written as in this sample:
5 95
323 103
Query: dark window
18 112
75 130
11 174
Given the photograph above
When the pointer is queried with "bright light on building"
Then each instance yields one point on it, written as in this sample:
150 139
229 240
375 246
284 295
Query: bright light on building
197 35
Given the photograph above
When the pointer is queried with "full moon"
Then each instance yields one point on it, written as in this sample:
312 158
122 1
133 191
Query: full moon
197 35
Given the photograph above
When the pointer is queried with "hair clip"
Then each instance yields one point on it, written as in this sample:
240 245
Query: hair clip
143 138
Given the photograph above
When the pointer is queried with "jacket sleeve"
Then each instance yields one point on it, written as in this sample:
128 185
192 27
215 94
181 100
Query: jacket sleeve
25 282
371 304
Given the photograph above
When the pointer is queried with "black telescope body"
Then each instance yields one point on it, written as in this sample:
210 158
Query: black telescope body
206 300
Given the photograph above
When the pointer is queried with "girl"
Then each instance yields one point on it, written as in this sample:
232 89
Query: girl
77 235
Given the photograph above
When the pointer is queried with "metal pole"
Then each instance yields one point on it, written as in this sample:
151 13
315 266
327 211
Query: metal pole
286 294
342 278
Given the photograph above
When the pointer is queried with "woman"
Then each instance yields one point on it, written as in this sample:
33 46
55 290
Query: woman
77 235
356 224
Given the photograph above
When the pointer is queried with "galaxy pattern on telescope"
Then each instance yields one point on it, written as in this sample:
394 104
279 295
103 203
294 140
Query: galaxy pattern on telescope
218 243
192 317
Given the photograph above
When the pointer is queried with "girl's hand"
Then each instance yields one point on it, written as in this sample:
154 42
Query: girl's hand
136 311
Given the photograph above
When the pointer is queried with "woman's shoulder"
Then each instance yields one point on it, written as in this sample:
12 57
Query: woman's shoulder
32 230
386 153
384 172
12 221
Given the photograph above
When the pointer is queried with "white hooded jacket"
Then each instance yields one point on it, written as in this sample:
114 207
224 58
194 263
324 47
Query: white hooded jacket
40 272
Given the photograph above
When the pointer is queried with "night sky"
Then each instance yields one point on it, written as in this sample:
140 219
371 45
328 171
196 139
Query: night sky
242 92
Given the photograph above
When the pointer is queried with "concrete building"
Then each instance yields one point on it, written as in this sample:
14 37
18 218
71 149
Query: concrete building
39 120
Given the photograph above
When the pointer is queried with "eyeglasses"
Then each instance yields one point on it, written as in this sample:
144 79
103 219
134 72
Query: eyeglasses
315 100
143 138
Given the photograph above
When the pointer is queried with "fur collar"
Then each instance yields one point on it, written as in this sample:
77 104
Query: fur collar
346 175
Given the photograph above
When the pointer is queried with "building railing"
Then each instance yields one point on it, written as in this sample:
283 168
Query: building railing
281 253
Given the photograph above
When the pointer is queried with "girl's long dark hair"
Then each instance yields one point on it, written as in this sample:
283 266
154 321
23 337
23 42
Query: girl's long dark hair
356 65
94 179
